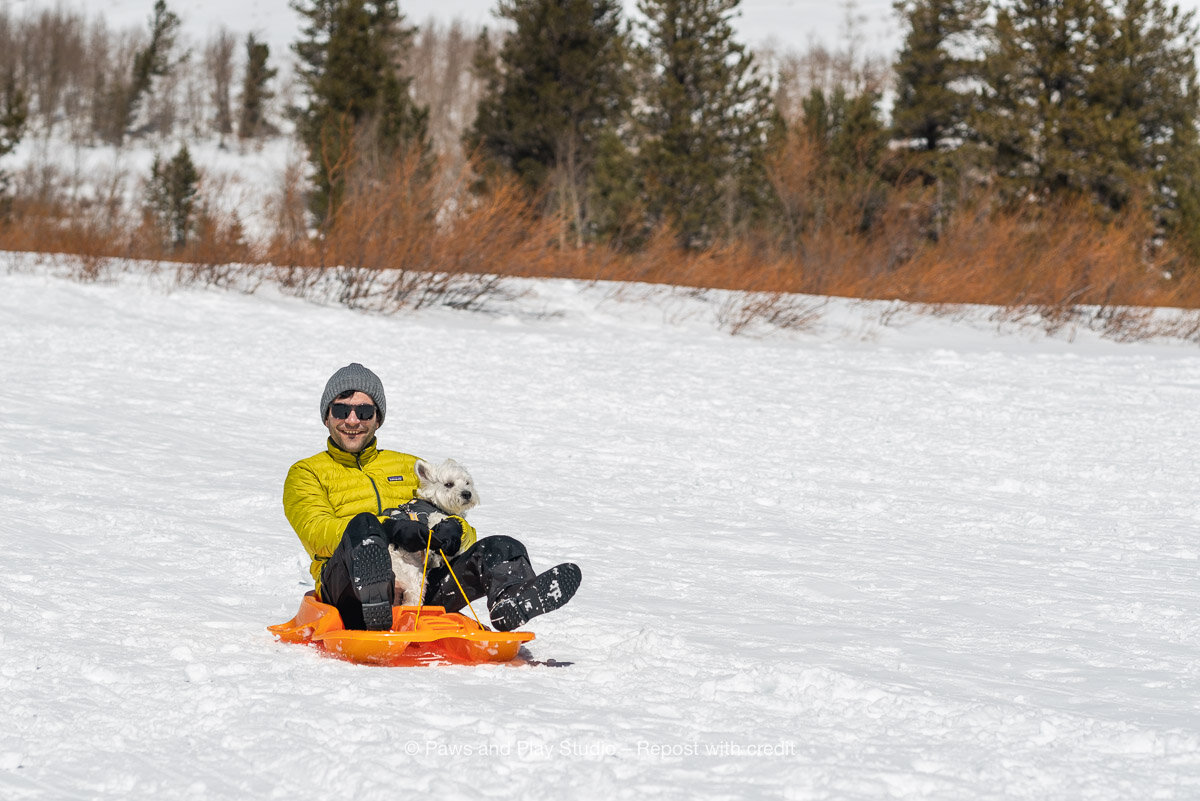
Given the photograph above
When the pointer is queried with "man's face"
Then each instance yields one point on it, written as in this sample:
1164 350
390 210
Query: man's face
352 434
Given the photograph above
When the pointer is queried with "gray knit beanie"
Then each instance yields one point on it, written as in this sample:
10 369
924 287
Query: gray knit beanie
353 377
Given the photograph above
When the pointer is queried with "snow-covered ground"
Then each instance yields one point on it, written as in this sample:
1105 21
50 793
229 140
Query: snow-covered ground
934 563
242 180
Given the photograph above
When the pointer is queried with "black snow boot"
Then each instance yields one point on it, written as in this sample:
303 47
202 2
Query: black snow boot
517 605
371 577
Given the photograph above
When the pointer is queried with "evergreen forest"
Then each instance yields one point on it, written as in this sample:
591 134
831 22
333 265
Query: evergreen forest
1040 156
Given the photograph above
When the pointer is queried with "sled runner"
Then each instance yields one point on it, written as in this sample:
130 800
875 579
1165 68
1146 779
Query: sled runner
419 636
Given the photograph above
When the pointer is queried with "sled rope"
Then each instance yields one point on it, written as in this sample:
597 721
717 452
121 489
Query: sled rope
457 583
424 570
460 589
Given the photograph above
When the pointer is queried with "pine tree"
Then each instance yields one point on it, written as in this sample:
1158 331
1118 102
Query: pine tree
1045 135
119 96
152 61
618 212
252 118
14 111
935 71
171 196
849 139
558 84
938 74
848 130
1148 89
358 99
1093 99
708 121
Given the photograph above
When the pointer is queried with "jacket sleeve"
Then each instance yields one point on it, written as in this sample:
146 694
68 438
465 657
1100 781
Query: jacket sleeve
468 535
306 506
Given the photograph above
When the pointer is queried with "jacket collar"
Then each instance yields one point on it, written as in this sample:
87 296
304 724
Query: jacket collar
360 459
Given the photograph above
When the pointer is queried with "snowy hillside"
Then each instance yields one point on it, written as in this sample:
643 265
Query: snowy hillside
794 23
923 562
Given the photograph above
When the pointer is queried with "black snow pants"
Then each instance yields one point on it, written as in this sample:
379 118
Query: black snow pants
488 568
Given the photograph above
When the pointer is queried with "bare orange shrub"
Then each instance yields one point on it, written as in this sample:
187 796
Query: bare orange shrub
1061 255
406 237
43 227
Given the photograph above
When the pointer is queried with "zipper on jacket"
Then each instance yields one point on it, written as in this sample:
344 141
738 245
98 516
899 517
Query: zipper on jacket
378 500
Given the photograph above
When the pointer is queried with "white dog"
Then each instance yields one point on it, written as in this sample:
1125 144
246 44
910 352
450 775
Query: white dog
445 489
448 487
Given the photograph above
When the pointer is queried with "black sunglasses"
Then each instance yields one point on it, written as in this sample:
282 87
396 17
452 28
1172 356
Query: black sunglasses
341 411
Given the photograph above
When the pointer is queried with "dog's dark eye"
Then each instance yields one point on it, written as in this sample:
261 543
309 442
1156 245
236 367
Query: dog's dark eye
449 484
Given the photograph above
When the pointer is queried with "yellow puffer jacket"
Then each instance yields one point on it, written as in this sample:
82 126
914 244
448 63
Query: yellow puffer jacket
323 492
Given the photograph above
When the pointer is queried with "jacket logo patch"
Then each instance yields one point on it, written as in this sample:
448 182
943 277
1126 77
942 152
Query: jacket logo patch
395 478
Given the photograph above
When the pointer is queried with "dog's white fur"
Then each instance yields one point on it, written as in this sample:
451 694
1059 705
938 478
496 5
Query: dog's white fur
449 487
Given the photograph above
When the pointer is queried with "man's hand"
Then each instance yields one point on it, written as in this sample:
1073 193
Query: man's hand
410 535
447 536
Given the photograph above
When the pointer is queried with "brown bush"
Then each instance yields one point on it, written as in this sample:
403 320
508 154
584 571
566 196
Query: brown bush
409 240
412 238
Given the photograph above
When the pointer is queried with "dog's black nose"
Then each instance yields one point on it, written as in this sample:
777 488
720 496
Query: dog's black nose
466 495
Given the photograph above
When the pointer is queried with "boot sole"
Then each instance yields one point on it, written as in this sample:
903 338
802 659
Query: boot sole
545 593
372 565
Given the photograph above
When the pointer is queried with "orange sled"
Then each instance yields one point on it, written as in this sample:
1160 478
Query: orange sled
419 636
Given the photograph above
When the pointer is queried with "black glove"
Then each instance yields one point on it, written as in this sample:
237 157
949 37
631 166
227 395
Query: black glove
410 535
447 536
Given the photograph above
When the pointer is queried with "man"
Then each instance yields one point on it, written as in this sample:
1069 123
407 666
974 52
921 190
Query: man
338 502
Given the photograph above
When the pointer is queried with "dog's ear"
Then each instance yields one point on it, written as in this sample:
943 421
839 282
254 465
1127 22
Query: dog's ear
424 470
